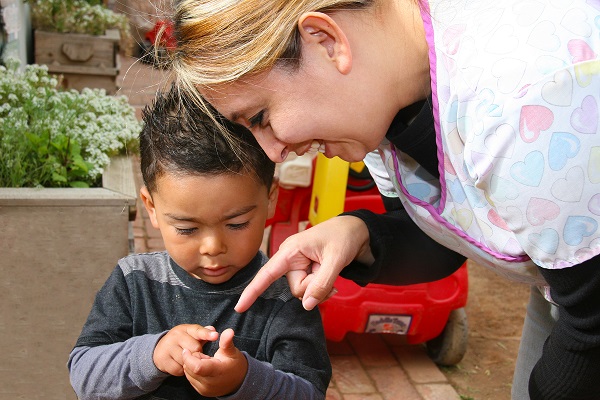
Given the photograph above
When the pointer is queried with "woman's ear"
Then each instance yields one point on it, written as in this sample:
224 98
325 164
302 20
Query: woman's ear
149 204
320 29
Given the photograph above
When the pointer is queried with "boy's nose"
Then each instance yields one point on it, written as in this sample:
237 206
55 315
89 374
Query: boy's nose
212 246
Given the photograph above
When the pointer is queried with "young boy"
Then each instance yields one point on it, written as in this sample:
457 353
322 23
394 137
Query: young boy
163 325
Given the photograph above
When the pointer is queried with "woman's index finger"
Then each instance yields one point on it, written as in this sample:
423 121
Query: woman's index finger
268 274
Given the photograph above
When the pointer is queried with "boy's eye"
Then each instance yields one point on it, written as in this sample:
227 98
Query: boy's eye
257 119
237 227
185 232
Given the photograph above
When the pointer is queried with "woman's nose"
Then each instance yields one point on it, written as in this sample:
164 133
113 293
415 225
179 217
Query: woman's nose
275 150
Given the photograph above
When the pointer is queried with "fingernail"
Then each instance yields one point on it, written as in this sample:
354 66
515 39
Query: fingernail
310 303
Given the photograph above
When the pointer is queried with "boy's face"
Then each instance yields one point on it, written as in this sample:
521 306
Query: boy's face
212 226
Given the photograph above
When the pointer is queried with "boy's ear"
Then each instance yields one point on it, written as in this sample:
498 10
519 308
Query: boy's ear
149 205
273 194
320 29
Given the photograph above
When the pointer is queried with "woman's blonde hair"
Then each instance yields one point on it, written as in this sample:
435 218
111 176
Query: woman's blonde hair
221 41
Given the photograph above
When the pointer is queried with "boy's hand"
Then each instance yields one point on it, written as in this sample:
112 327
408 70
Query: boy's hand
219 375
168 351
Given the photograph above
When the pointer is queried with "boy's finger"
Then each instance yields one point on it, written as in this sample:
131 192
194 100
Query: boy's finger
226 342
202 333
192 364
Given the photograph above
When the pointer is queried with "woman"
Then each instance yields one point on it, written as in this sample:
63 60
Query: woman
486 116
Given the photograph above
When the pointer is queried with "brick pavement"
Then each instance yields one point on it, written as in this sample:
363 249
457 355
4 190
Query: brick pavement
365 366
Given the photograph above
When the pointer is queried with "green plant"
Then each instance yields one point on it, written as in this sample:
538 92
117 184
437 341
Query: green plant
80 16
56 138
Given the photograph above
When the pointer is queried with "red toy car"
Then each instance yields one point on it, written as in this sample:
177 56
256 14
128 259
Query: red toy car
431 313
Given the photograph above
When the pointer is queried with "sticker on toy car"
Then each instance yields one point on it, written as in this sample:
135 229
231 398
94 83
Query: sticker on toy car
397 324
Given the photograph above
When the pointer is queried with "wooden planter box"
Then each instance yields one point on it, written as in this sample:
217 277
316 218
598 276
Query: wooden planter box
82 60
57 247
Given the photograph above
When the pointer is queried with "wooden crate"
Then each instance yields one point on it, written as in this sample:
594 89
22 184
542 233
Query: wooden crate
83 60
58 246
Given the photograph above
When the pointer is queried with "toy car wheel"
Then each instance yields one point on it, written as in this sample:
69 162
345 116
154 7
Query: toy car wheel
450 346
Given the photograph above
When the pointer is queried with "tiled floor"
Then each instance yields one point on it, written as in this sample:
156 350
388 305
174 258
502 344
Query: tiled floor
365 366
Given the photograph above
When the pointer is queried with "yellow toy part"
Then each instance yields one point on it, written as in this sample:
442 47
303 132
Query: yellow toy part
329 189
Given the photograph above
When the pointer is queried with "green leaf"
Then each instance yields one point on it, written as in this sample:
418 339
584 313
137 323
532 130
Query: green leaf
79 184
58 177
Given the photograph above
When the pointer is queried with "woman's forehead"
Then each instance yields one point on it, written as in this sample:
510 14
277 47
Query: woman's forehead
237 98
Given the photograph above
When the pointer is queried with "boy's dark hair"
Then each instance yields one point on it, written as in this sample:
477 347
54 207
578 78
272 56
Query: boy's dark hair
179 138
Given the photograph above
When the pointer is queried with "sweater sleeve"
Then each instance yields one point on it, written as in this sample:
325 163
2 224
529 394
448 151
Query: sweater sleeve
570 364
403 253
296 363
107 362
116 371
263 381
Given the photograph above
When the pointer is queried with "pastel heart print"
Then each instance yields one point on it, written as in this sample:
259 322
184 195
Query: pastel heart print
542 37
584 119
529 171
452 113
534 120
569 188
502 141
584 254
563 146
548 64
509 72
559 92
546 240
594 165
487 106
451 38
585 72
419 190
562 264
580 51
512 247
482 163
514 218
463 217
594 204
577 228
503 41
470 124
486 20
474 197
485 229
448 167
522 91
443 93
502 189
575 21
455 142
541 210
528 12
497 220
456 191
450 65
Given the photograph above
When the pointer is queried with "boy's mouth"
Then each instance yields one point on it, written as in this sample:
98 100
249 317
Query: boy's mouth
214 271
